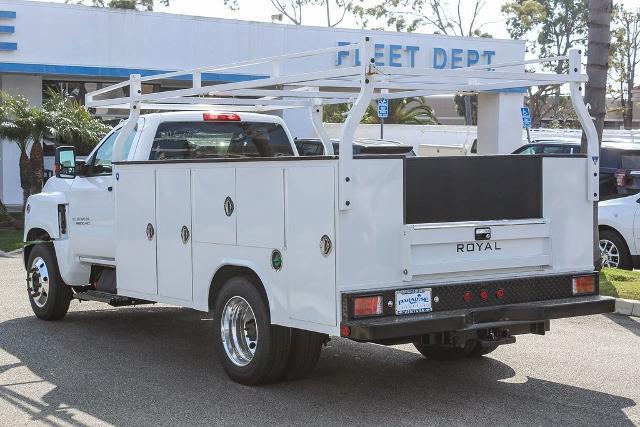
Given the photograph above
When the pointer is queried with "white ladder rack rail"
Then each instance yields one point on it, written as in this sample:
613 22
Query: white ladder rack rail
357 85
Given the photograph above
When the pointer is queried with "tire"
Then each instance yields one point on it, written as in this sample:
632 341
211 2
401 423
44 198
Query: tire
48 294
444 353
613 251
304 353
260 350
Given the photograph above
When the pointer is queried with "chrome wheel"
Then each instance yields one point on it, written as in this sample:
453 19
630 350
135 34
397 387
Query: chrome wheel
609 254
38 282
239 331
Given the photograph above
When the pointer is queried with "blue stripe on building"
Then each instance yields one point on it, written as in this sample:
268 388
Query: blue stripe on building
7 29
8 46
7 14
111 72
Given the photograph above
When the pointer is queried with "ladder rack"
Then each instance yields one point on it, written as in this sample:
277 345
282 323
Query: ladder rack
356 85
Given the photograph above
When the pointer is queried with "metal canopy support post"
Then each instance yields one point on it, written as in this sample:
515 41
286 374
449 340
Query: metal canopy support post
135 88
315 113
351 124
593 146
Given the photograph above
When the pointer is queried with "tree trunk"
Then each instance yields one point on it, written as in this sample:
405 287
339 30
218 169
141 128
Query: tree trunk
25 176
599 25
37 167
628 113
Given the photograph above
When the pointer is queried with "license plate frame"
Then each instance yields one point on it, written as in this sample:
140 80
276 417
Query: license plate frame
420 303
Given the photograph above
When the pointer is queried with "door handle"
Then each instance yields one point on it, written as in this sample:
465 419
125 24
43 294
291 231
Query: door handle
184 234
150 231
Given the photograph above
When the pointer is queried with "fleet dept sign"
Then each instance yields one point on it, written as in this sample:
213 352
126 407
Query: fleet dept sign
396 55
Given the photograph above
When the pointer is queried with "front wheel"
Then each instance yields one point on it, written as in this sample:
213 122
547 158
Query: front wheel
613 251
48 294
252 350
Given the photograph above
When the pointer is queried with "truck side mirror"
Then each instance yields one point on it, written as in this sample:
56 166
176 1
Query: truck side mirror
65 163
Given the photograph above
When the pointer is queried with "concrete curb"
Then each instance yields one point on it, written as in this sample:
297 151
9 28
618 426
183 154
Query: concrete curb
11 254
628 307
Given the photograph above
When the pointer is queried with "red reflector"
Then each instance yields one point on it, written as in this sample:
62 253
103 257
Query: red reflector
367 306
345 331
500 293
584 285
221 117
467 296
484 295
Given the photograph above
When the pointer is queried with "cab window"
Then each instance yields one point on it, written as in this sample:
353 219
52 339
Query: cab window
203 140
102 158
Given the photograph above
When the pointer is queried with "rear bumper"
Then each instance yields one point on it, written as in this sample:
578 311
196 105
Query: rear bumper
391 327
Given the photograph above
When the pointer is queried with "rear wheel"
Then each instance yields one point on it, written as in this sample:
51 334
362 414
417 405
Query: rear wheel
251 349
304 353
48 294
613 251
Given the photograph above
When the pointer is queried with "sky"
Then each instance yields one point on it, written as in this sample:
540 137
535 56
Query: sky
262 10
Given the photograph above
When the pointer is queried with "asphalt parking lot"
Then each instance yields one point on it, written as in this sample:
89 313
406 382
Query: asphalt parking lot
154 365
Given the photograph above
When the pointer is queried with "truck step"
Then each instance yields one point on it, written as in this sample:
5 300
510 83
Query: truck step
111 299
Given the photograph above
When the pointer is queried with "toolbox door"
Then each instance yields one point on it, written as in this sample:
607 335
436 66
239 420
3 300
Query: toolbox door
135 197
173 211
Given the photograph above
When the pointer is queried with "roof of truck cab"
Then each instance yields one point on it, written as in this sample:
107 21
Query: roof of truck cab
197 116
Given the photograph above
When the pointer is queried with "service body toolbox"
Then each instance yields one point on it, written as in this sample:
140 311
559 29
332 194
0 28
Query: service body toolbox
214 210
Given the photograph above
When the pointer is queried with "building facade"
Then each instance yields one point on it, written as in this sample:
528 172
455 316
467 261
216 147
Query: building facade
79 49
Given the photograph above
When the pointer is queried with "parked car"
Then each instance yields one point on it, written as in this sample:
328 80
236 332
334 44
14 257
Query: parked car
619 163
619 225
314 147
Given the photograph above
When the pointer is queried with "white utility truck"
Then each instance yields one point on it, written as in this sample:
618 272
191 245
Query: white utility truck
210 207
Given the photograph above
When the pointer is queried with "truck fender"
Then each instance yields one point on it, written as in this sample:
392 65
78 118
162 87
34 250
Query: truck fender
232 267
42 213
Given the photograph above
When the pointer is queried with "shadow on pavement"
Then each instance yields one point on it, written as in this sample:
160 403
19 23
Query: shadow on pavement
157 366
626 322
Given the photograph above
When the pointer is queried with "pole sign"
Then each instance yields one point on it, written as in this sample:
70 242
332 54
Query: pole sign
526 117
383 108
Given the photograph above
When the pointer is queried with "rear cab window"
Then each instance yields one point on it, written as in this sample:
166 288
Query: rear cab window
207 140
631 160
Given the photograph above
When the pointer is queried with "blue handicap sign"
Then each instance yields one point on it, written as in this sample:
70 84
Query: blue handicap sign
383 108
526 117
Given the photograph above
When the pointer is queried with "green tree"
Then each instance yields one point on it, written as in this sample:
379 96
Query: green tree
459 101
624 60
413 111
19 127
552 27
59 118
439 16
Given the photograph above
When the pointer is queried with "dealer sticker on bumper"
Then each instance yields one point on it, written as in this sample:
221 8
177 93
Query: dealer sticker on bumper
413 301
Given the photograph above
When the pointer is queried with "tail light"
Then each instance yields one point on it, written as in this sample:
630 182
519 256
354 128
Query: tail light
500 293
467 296
484 295
345 331
621 177
584 285
220 117
367 306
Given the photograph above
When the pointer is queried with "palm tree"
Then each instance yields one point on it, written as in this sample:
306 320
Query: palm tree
599 41
408 111
18 126
61 118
